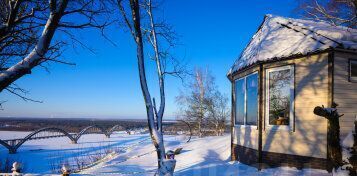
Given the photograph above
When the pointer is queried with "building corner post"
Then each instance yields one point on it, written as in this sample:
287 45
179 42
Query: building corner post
260 117
330 100
233 155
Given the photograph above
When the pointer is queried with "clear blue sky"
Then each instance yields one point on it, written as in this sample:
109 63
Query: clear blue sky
106 85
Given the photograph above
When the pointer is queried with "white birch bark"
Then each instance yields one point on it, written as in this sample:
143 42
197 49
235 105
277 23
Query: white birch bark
36 56
165 166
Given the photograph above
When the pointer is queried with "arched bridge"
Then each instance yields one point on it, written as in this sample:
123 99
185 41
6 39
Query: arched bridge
114 128
94 129
50 132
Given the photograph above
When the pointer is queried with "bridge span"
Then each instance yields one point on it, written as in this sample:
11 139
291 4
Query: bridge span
52 132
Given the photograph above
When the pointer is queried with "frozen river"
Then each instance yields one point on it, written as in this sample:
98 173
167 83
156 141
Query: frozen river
48 155
4 135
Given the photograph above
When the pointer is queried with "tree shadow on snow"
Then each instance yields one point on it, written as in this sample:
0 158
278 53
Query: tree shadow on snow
134 170
214 166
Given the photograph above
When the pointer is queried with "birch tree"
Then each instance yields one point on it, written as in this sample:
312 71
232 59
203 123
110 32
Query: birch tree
152 36
27 34
218 112
194 100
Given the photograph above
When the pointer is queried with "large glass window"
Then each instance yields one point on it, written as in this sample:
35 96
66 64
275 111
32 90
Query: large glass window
240 97
353 70
280 96
247 100
252 99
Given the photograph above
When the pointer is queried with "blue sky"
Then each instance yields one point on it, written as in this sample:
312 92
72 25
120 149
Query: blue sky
106 84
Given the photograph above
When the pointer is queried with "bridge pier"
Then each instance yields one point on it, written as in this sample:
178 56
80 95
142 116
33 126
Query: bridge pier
12 151
74 142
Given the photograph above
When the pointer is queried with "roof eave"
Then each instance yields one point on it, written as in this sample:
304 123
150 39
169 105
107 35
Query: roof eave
272 60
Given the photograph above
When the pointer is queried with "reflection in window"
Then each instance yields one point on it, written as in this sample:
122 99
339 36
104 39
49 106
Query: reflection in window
353 70
240 93
252 99
246 92
279 95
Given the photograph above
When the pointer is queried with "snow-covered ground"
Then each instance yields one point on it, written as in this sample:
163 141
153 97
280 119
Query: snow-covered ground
206 156
47 155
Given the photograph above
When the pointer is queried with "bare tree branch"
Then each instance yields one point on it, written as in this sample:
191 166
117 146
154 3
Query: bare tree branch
16 90
27 29
336 12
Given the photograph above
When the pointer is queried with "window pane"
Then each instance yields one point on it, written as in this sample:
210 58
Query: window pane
240 102
354 69
279 97
252 99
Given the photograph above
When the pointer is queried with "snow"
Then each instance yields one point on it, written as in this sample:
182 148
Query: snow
13 134
202 156
280 37
39 156
347 145
208 156
348 141
330 110
340 172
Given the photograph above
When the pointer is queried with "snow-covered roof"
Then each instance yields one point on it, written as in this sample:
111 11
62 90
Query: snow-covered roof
280 37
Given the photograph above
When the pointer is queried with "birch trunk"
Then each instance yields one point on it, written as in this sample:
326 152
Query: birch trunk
165 166
36 56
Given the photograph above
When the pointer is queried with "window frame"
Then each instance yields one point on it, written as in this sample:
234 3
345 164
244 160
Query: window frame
350 78
291 125
244 125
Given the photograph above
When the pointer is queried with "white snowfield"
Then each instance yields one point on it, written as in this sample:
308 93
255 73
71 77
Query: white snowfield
280 37
209 156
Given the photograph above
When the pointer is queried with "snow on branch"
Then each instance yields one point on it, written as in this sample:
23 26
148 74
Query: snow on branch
27 30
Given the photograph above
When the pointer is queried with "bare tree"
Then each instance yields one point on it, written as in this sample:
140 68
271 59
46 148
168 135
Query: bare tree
218 112
337 12
195 99
27 32
156 38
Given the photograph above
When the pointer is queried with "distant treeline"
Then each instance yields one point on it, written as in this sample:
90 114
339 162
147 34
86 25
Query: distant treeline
71 125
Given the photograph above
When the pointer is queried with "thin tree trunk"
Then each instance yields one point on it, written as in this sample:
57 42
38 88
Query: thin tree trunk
165 167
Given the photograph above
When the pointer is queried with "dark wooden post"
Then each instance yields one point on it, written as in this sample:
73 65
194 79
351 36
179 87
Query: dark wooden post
333 133
355 135
65 170
16 168
260 118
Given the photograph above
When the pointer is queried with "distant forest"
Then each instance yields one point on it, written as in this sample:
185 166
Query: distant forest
71 125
